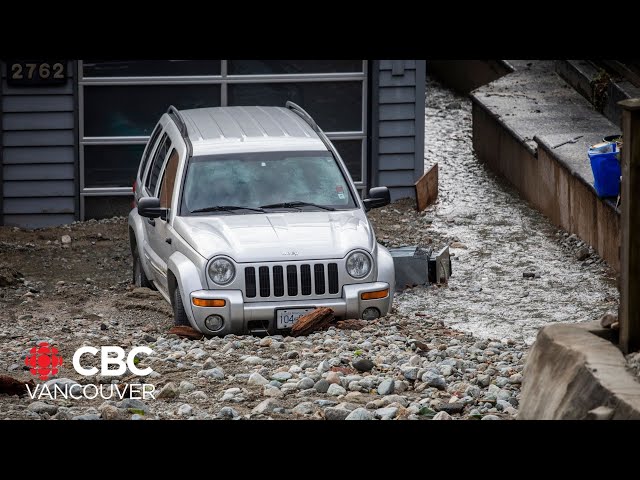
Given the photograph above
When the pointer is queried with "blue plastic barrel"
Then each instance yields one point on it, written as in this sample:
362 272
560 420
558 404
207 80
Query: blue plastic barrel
606 172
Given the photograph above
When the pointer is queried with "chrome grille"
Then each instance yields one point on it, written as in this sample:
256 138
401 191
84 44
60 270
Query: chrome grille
292 281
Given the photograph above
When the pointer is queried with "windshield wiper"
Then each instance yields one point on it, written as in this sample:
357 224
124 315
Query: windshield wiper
296 204
227 208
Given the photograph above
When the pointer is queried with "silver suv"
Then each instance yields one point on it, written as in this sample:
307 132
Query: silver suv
246 218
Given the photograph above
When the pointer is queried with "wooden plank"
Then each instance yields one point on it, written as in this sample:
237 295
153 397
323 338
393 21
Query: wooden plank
54 188
396 145
26 155
427 188
629 314
39 205
397 95
40 103
400 161
397 111
45 171
43 138
37 121
397 128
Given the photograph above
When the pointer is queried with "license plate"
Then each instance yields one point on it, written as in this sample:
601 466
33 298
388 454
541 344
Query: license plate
286 318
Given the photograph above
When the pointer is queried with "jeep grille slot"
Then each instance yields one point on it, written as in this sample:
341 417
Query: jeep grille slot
250 282
265 289
318 271
292 280
333 278
278 281
305 279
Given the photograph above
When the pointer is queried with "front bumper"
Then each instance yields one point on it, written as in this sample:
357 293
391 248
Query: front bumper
240 317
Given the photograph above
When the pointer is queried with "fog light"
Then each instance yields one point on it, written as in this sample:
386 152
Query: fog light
370 313
214 322
207 302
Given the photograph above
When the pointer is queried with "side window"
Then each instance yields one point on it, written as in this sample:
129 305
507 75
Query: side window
156 165
147 153
169 180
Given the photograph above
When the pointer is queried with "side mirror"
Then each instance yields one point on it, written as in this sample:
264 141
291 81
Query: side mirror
378 197
150 207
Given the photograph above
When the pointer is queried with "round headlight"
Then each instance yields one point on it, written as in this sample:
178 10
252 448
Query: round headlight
221 271
358 265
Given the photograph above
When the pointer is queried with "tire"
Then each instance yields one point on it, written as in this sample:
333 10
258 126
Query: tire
139 277
179 314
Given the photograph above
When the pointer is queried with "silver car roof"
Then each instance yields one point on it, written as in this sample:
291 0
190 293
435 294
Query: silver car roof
249 128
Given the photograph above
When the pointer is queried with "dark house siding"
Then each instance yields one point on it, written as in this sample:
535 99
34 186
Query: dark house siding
398 125
38 153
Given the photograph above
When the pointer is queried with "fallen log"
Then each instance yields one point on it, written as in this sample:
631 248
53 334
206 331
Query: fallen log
186 331
319 319
11 386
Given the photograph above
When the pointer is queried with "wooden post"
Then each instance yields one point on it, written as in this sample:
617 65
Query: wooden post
629 314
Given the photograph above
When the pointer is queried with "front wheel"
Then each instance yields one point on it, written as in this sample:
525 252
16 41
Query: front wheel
139 277
179 314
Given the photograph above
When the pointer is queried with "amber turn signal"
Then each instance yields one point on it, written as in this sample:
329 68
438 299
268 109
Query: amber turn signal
205 302
373 295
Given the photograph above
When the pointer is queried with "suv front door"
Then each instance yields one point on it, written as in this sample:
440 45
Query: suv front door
161 240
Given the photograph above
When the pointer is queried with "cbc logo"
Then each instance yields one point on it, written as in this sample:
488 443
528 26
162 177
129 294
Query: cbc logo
111 355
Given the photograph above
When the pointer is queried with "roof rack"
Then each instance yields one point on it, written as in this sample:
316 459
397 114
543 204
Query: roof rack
182 127
179 120
302 113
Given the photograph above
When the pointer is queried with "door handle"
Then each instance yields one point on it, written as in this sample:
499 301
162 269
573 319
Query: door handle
151 221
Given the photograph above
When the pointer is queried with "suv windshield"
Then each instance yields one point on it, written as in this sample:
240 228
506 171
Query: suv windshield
293 181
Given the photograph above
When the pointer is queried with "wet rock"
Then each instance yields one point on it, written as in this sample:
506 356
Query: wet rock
582 254
212 373
332 413
306 383
360 414
65 240
186 387
450 408
253 360
386 387
442 415
490 417
322 386
387 413
149 338
484 380
333 377
42 407
168 391
185 410
87 416
434 380
336 390
110 412
228 413
256 379
608 319
133 405
281 376
304 408
266 406
198 395
363 364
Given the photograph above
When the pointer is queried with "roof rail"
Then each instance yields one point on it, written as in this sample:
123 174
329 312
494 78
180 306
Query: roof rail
179 120
302 113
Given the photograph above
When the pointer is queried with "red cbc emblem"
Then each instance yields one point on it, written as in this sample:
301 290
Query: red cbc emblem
43 361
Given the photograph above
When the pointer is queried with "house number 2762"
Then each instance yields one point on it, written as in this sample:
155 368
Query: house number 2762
36 73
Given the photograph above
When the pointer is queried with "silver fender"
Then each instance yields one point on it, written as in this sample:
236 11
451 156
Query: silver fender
386 272
136 223
188 280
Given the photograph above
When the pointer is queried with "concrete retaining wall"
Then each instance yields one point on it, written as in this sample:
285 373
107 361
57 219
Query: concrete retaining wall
467 75
570 372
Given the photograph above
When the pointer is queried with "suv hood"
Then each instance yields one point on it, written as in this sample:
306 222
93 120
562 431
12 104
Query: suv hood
277 236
